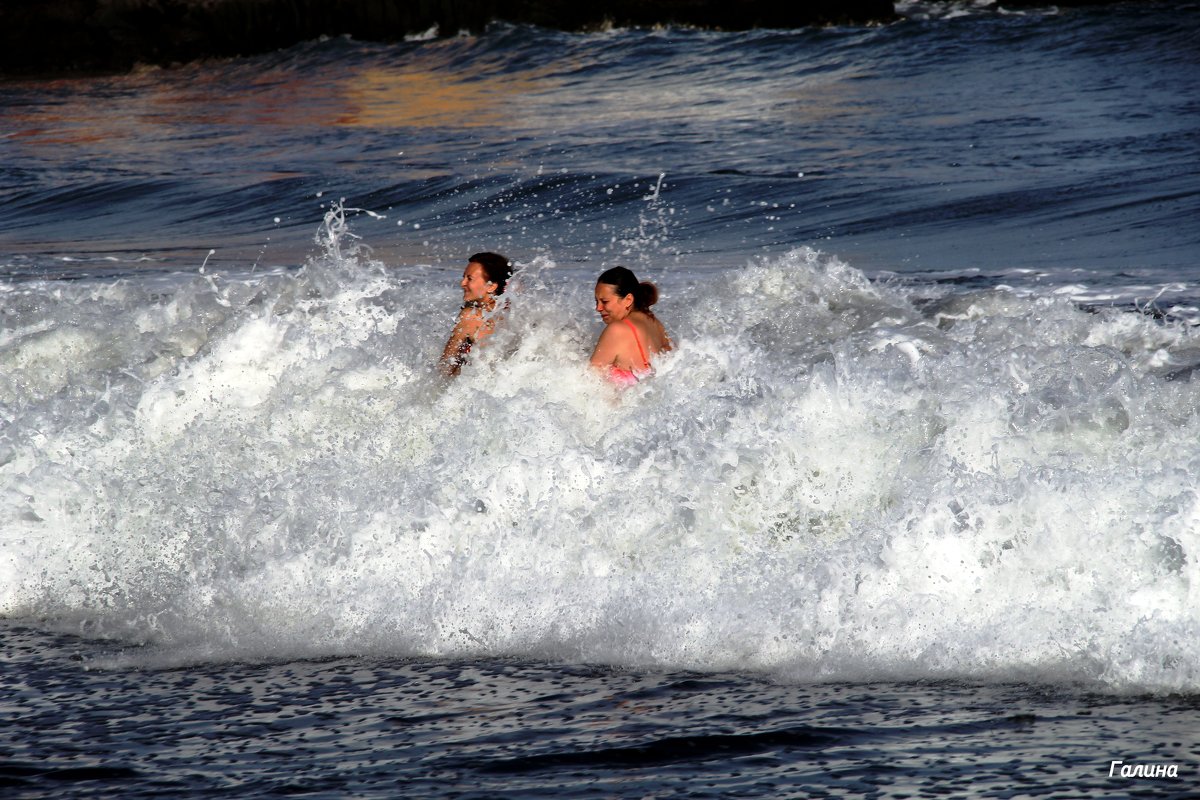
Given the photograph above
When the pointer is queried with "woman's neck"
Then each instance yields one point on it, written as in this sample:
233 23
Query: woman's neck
483 304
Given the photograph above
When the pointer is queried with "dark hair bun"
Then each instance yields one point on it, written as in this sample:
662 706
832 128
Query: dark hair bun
645 295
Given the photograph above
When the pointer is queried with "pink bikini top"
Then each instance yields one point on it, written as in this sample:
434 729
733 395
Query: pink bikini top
628 377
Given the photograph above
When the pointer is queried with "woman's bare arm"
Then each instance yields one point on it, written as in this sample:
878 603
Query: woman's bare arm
467 330
613 342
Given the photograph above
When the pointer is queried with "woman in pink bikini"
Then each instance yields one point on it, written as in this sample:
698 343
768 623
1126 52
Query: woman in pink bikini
632 333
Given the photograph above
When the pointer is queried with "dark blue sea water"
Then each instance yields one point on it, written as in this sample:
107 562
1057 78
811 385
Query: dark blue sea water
911 510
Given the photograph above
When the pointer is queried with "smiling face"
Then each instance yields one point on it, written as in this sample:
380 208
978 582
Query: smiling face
611 306
475 284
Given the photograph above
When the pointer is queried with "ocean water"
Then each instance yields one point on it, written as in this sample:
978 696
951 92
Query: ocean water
911 509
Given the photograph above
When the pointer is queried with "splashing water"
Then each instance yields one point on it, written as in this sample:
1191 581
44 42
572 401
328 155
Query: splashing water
828 478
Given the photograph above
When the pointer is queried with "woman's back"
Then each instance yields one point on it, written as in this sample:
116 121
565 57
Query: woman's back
651 335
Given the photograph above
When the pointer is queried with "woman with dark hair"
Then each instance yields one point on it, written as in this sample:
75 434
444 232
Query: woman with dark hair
482 282
631 331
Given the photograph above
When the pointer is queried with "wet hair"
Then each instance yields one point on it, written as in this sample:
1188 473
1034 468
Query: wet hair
625 283
496 268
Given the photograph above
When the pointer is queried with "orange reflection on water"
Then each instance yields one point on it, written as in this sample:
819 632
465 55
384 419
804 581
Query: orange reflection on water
381 98
162 109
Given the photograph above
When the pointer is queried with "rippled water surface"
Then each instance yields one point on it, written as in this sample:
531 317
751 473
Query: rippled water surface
378 728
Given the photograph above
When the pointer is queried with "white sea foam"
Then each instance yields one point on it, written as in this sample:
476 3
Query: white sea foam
826 479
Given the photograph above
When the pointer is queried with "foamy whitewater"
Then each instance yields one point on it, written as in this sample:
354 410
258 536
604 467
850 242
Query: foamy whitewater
829 478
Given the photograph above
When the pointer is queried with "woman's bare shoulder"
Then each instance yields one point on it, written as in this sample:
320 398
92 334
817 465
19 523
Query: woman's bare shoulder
616 334
470 320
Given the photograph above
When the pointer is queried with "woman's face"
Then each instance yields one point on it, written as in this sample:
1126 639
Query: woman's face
475 284
611 307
